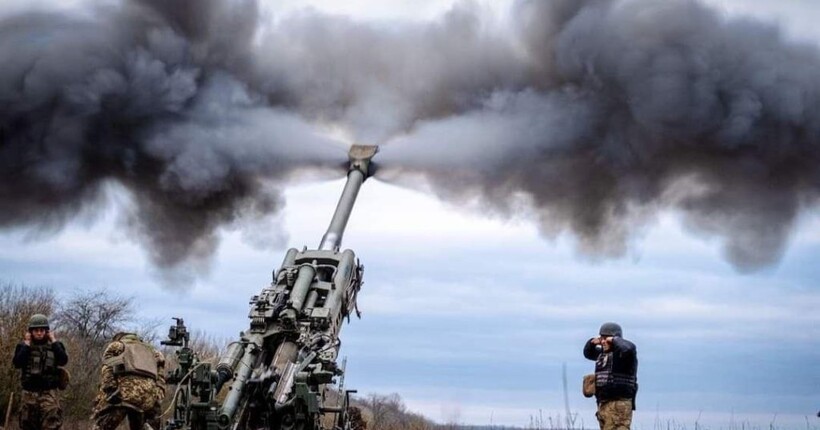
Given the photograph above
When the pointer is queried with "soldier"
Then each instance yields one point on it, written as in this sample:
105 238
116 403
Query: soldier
616 370
132 386
38 356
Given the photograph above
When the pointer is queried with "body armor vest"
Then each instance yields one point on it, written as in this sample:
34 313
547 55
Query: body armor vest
608 381
137 359
41 368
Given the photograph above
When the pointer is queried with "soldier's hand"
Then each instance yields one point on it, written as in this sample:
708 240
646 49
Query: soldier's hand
27 339
51 337
596 340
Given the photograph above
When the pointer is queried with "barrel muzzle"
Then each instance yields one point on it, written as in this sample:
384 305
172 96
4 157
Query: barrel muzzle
360 156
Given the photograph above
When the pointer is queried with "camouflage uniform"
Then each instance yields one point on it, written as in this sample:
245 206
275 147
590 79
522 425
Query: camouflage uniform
40 410
39 362
136 397
615 414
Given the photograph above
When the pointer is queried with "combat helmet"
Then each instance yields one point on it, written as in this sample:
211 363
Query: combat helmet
38 321
611 329
125 336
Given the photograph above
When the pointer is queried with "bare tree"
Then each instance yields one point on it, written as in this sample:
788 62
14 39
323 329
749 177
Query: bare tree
384 410
388 412
94 316
208 349
87 320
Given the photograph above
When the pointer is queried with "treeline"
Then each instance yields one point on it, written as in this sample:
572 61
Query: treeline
388 412
86 320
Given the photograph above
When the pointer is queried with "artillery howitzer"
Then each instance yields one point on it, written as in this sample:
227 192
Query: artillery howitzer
280 369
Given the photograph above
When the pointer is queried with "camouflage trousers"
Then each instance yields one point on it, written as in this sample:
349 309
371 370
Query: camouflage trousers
111 417
615 414
40 410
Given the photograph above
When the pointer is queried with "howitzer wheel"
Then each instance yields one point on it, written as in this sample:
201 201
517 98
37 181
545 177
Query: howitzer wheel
291 422
298 418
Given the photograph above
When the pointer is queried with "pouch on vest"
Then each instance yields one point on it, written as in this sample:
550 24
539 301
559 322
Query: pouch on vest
137 359
588 387
35 363
41 362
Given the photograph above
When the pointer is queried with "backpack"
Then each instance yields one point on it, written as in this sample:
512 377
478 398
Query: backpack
63 378
588 387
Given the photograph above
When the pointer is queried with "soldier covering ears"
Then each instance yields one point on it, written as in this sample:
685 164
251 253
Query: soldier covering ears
40 356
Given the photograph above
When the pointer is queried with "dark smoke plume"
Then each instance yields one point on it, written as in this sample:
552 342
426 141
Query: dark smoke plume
151 95
593 115
632 107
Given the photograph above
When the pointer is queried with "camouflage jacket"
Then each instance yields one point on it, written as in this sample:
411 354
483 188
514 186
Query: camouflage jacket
137 391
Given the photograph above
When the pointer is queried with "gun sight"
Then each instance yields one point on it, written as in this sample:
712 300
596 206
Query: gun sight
177 334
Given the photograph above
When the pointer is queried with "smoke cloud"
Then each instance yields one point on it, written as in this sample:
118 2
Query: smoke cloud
633 107
590 116
150 95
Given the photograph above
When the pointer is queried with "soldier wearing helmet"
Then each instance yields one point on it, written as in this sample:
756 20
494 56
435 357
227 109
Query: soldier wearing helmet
132 385
616 370
39 356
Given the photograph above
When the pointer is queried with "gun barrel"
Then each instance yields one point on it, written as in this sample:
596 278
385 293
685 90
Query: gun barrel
235 395
360 156
227 364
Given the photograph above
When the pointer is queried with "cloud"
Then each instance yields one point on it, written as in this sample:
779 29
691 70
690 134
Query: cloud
457 305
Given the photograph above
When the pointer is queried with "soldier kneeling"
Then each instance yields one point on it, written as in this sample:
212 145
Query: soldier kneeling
39 356
132 386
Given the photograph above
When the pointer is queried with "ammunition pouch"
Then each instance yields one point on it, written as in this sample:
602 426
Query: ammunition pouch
137 359
588 386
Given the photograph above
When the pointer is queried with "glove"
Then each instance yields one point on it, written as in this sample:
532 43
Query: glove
159 392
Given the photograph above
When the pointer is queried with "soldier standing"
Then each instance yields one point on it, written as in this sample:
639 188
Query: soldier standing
616 370
132 386
38 356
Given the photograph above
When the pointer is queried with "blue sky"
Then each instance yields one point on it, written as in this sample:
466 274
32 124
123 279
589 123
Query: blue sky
470 317
466 316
